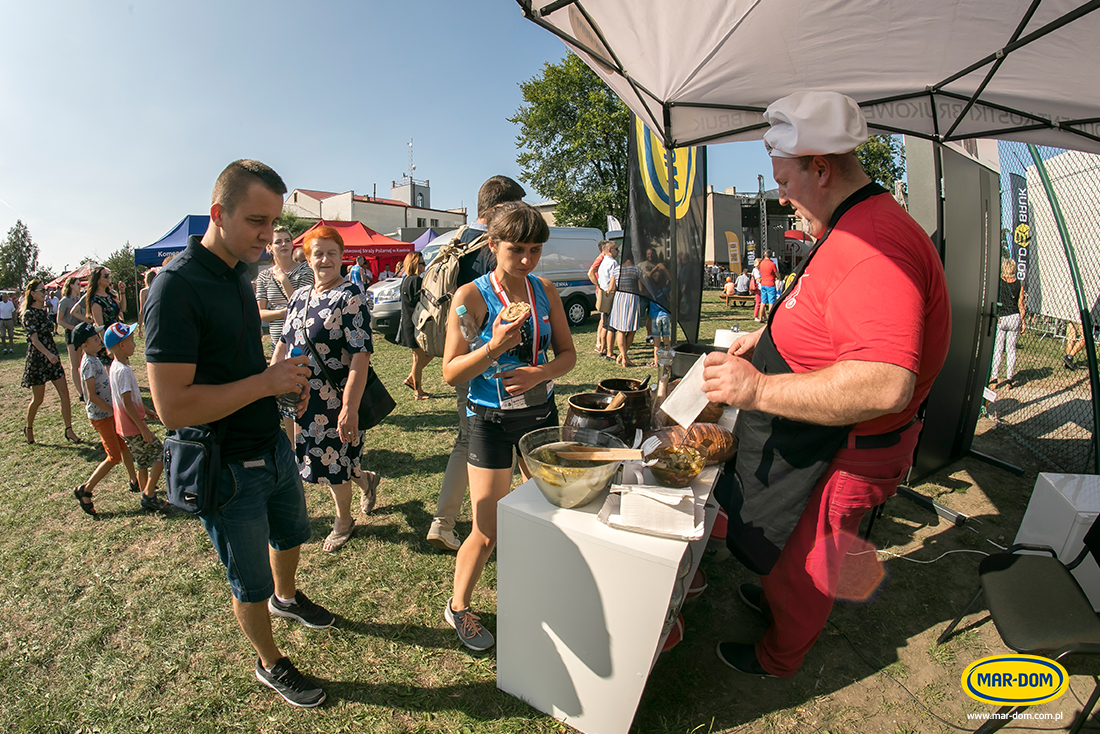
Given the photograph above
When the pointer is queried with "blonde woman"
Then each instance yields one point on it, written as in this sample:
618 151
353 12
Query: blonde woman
43 362
1010 323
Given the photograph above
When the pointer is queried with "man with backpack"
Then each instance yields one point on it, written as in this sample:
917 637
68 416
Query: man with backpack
475 262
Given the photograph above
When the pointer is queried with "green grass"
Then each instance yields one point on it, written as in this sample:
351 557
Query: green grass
123 624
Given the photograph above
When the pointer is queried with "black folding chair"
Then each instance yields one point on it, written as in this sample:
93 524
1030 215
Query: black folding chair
1039 609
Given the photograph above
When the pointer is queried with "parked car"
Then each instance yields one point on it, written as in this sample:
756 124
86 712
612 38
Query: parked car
565 260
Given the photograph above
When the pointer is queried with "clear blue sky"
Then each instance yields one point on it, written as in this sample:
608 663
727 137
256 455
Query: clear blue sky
116 117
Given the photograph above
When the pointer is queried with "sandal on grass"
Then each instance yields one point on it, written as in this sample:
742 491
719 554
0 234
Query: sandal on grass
408 383
335 541
81 494
70 435
369 496
28 433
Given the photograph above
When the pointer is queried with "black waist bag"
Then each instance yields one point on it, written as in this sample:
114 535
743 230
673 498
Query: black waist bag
192 462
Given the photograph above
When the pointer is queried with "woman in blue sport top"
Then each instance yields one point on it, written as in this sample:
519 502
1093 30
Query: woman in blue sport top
511 385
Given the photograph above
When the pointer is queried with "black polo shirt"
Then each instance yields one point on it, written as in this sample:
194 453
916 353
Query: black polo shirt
200 311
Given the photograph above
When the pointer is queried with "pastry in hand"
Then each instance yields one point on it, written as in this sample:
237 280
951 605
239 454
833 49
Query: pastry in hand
515 311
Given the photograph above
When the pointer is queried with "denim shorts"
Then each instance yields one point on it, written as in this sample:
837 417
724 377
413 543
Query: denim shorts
662 326
260 503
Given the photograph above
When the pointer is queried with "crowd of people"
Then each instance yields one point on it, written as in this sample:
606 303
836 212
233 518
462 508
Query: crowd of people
848 393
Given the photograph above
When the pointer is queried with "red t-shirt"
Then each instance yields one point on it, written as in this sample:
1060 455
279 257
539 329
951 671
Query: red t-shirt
875 292
767 272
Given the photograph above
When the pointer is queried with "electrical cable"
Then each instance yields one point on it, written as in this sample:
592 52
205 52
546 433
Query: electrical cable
914 560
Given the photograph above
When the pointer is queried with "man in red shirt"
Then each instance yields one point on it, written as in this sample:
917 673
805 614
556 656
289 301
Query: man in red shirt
768 272
828 423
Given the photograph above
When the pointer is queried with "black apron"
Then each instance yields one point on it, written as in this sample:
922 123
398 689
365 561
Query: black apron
765 488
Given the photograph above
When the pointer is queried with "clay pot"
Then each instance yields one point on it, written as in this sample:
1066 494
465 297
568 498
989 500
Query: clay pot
638 408
590 410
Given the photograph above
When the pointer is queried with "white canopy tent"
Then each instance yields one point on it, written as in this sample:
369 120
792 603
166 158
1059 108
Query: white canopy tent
704 71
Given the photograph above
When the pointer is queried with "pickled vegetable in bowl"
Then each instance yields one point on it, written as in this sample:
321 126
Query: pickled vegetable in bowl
568 482
676 465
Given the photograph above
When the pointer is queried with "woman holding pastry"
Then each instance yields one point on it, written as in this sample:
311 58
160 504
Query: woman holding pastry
511 384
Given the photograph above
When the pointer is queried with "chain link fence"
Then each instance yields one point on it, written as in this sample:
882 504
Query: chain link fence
1040 371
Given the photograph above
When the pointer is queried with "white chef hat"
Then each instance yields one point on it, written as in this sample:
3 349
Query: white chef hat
814 123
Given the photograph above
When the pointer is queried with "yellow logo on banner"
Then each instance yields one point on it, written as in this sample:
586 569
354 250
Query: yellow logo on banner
1021 680
1022 235
734 243
652 163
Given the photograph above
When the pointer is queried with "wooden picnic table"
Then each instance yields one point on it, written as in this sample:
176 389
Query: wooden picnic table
730 298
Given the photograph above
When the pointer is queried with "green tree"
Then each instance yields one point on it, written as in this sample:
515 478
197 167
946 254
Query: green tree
121 264
293 222
573 141
18 257
883 159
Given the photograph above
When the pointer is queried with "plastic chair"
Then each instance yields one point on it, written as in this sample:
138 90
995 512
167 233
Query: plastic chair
1039 609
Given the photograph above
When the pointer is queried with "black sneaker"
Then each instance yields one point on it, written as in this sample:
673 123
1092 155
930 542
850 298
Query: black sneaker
305 611
154 504
1067 361
742 658
753 596
285 679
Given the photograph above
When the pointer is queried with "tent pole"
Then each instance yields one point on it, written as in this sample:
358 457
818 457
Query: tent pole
1079 291
674 270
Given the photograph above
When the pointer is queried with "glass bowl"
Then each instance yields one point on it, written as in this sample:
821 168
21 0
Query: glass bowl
566 483
675 465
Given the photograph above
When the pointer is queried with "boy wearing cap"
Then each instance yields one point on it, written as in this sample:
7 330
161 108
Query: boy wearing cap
147 450
97 402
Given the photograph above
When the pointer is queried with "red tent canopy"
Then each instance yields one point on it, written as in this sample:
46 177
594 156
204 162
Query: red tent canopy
80 273
359 239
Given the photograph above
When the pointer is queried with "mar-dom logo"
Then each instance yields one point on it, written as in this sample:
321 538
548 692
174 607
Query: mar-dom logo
653 165
1014 679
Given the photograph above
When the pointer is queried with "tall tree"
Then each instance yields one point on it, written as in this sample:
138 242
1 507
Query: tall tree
123 271
293 222
883 159
573 141
18 257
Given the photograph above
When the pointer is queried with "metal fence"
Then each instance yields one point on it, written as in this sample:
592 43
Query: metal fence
1044 384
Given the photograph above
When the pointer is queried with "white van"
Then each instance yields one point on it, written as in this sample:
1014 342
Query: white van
565 260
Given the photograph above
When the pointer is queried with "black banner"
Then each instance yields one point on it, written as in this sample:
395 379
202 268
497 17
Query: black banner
1021 225
646 243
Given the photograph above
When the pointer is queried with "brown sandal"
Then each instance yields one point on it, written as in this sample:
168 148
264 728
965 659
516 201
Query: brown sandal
28 434
81 494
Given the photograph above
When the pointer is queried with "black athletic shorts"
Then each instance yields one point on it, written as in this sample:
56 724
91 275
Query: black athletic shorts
494 434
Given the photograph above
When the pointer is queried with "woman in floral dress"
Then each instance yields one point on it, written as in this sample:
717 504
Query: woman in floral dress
43 362
329 441
101 307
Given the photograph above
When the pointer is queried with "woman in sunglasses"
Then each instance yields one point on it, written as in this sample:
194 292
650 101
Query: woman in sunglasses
102 304
43 362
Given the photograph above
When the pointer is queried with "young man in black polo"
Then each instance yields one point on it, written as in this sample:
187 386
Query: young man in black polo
206 365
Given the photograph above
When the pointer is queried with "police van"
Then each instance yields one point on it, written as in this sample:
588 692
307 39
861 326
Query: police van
566 258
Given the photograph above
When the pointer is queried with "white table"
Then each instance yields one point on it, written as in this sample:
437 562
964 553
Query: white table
581 606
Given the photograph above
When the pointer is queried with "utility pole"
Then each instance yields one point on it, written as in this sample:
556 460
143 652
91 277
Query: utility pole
762 245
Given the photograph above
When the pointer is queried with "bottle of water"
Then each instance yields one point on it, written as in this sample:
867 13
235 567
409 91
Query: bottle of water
471 332
288 401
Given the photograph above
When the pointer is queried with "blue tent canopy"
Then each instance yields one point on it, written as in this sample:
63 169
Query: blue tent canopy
174 241
424 239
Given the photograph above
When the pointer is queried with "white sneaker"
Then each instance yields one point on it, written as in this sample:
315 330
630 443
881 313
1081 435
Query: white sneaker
443 539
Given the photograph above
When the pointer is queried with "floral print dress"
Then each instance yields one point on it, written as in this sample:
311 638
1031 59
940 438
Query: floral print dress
38 370
338 324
